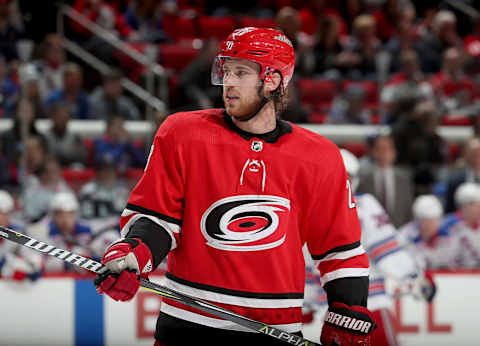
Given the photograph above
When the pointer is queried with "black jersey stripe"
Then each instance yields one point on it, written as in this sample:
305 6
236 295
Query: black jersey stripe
153 213
337 249
236 293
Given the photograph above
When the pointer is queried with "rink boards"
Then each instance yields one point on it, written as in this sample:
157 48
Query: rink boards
64 310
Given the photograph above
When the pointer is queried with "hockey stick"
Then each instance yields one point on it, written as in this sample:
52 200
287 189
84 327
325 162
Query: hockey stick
99 268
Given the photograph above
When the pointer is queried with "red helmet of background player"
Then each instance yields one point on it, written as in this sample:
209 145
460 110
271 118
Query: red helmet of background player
269 48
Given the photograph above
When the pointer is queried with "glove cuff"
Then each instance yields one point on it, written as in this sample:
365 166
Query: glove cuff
129 253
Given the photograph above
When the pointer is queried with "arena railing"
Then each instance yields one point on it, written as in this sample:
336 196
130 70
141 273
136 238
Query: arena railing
337 133
153 70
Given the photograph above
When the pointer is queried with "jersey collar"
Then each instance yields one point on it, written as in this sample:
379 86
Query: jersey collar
281 129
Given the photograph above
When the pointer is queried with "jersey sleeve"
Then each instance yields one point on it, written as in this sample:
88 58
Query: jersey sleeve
159 193
333 228
383 243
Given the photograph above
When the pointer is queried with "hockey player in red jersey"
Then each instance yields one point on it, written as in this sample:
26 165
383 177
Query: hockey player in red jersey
232 195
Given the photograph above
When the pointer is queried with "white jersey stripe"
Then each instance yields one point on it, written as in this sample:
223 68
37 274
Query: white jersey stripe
219 323
343 273
233 300
341 255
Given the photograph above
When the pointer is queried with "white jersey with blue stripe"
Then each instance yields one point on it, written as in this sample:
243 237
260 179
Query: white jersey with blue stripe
388 258
441 252
464 241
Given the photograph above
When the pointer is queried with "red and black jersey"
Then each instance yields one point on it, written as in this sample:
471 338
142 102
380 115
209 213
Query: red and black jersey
239 208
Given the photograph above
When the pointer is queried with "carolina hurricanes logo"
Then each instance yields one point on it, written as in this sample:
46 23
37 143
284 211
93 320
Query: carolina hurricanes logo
245 223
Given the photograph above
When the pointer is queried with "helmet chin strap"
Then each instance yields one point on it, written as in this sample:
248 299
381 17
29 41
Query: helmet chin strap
263 102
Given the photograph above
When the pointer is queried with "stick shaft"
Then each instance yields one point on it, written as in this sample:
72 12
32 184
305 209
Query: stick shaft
198 304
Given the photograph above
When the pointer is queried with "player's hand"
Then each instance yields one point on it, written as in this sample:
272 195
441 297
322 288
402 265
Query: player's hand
424 287
126 259
347 326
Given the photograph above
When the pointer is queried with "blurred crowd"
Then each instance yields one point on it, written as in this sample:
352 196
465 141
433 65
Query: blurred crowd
409 65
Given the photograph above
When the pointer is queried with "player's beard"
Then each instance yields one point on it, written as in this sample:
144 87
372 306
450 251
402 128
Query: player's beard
243 106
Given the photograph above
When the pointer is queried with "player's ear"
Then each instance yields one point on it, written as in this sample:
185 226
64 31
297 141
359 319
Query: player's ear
272 82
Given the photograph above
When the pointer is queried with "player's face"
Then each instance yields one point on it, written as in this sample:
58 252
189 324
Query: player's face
240 87
65 220
428 227
4 219
471 212
384 152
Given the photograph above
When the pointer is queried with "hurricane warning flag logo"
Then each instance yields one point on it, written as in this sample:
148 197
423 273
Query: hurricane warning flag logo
245 223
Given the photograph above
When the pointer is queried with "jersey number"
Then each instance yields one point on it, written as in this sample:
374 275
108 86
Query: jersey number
351 203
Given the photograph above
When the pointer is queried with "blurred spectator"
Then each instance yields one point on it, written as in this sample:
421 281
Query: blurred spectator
64 145
106 195
107 17
357 60
403 38
103 14
294 110
118 144
403 101
326 49
387 17
452 87
314 12
194 81
469 173
30 89
287 20
410 77
432 246
145 17
40 187
465 225
62 229
432 44
51 64
107 100
36 153
9 32
16 262
8 89
72 92
388 183
420 147
349 10
23 126
349 108
427 10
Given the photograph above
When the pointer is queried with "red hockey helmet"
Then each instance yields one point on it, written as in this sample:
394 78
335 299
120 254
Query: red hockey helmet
269 48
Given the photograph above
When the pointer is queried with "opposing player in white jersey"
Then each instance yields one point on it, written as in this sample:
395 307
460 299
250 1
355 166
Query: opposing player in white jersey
464 226
15 263
388 259
432 246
